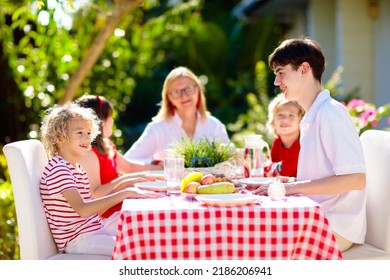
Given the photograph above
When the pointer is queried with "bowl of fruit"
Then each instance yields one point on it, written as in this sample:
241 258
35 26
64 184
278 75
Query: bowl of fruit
197 183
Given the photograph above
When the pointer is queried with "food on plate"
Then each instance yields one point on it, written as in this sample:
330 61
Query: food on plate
191 187
191 177
221 178
208 179
196 182
216 188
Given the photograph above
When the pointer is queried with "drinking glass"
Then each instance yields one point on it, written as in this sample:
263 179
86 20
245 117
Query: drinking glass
254 146
241 168
174 173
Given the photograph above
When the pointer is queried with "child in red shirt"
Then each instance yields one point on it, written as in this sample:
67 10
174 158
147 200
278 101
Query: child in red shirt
284 119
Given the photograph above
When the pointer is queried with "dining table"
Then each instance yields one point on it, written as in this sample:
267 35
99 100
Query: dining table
185 228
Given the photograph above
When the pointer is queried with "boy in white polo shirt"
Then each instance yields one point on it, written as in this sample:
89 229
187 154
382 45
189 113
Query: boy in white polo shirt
331 159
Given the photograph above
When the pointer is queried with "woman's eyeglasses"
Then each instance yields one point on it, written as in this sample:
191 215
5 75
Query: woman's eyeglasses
188 90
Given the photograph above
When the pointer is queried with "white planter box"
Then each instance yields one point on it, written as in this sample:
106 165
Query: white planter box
227 168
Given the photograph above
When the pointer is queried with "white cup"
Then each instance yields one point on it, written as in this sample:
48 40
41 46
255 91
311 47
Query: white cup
174 173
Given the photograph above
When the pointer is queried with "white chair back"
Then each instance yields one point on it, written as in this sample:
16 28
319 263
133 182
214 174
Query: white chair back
376 147
26 161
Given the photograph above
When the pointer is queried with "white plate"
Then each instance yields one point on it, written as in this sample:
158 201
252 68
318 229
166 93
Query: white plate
159 174
231 199
156 172
260 181
158 186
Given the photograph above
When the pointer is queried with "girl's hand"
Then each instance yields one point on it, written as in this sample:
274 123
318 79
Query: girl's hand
141 180
128 183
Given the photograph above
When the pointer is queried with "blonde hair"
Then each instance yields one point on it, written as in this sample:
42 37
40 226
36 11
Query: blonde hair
165 111
56 121
103 109
274 106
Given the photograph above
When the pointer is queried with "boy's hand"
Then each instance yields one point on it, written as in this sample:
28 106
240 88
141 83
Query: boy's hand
275 170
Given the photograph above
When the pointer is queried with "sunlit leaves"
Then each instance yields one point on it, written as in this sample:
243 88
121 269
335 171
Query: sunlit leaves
255 119
40 4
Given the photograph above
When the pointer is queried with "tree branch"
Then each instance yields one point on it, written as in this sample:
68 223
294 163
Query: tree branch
120 9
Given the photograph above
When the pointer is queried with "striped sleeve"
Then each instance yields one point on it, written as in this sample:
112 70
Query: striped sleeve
65 223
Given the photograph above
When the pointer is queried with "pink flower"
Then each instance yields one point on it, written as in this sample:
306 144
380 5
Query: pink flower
366 115
355 103
369 113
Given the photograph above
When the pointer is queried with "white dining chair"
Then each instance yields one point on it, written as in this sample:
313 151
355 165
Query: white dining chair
26 161
376 148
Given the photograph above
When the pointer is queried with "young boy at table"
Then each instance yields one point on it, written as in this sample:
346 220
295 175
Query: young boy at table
67 132
284 117
331 159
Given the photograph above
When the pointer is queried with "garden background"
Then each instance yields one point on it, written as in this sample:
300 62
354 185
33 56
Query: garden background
54 51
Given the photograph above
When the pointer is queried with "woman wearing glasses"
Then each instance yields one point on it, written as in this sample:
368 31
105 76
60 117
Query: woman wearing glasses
183 114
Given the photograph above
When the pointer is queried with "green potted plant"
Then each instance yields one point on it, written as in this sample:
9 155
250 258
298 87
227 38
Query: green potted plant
206 156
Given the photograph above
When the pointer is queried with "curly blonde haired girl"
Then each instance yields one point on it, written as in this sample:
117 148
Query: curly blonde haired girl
72 214
55 124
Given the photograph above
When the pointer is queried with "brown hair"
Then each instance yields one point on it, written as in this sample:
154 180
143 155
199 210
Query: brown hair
297 51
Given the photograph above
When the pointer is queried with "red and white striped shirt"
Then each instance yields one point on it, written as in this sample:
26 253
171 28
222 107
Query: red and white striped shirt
64 222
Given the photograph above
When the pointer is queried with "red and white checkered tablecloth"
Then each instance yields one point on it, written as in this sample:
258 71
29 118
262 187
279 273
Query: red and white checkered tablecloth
157 229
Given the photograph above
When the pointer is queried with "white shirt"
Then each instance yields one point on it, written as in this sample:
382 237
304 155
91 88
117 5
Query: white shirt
330 145
161 135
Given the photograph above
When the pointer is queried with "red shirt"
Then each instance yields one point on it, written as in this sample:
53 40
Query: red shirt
108 172
287 157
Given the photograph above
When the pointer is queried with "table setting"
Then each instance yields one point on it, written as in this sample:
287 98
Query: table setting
234 225
209 214
242 226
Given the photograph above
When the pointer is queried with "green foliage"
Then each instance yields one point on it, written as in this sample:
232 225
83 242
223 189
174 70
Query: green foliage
42 58
255 119
9 248
208 48
203 152
136 59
